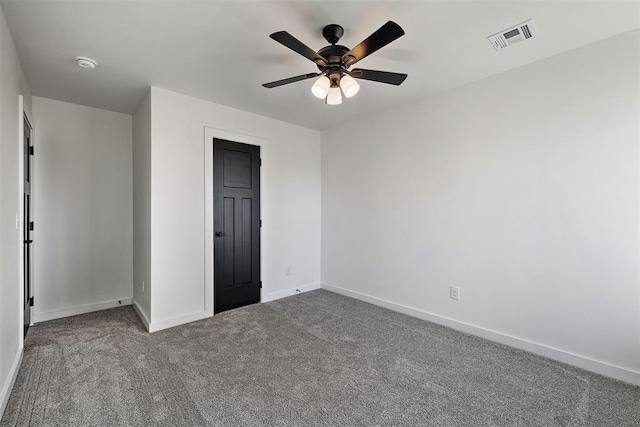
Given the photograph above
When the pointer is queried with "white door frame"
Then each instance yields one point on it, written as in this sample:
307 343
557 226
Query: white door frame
209 134
20 220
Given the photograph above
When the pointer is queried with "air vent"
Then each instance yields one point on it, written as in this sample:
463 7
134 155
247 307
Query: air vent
515 34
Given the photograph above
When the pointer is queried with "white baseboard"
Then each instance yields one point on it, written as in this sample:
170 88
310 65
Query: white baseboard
188 318
177 321
5 392
569 358
266 297
141 314
81 309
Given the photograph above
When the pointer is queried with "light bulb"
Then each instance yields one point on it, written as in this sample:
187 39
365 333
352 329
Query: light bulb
334 97
349 86
321 87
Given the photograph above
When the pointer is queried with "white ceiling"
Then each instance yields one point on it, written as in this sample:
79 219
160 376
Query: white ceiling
221 50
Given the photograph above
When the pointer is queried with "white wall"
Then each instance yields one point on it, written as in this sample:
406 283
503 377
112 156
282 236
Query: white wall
142 207
83 216
521 189
290 203
12 84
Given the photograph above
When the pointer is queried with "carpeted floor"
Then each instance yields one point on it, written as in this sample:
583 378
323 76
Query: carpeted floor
313 359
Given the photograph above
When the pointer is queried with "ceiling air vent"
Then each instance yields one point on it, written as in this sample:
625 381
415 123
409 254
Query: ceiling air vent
513 35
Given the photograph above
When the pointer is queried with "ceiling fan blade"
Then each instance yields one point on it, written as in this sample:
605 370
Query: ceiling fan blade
378 76
296 45
379 39
291 80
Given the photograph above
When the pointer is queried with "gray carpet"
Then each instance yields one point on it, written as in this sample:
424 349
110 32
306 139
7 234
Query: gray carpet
313 359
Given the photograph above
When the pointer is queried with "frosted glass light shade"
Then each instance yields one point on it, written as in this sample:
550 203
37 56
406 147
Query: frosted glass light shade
321 87
349 86
334 97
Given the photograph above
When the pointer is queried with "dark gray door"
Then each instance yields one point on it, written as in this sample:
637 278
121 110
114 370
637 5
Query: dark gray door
236 219
28 225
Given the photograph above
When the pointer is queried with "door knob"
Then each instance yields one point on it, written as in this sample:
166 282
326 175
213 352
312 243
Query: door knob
219 234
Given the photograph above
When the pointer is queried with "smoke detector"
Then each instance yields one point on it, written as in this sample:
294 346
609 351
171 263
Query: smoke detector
515 34
85 62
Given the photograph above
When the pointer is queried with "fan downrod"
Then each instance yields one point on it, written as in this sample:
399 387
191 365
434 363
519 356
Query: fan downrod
332 33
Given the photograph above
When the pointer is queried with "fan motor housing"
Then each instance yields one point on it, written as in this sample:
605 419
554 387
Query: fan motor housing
333 54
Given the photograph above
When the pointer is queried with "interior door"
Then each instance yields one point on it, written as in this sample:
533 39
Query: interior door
236 219
28 225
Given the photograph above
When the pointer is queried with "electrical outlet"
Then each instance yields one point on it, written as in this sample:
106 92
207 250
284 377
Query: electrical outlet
289 271
454 292
142 283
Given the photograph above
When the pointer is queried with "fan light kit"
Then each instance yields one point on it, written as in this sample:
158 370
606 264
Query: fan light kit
85 62
335 78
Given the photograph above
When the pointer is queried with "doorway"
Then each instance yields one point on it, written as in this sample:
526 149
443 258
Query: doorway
236 217
28 224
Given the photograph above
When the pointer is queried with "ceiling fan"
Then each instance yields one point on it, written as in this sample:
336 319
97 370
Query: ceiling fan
334 61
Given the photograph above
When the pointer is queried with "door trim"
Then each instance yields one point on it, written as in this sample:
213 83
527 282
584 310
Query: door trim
23 114
209 134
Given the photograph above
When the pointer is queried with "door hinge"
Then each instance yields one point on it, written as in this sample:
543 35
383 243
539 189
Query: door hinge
261 284
260 223
31 226
31 150
260 162
31 302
